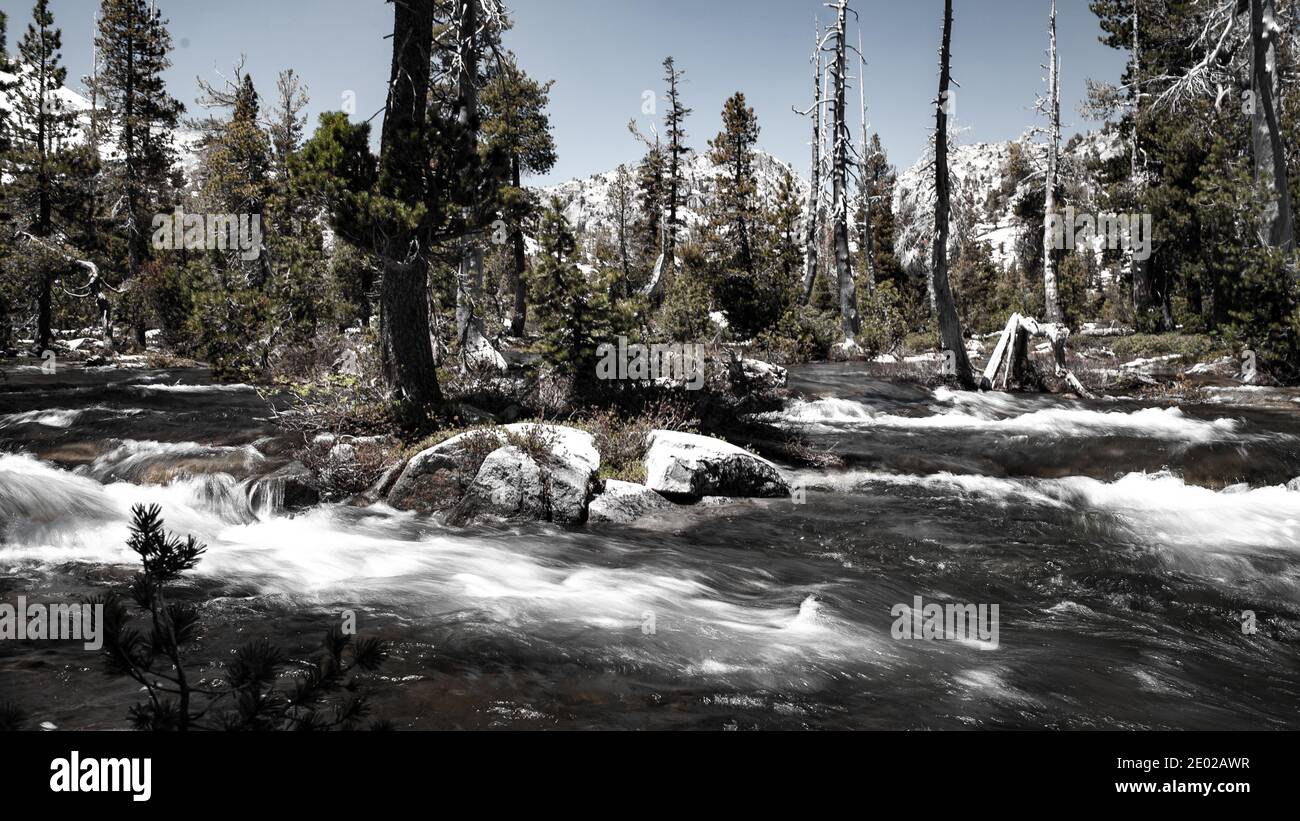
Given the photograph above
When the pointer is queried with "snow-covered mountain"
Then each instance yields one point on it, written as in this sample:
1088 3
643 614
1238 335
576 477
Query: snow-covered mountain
984 194
186 140
589 208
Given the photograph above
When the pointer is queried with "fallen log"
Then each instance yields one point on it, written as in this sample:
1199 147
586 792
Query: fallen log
1010 357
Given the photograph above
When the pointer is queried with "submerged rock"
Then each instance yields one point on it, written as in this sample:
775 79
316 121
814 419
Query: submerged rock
685 464
625 502
292 487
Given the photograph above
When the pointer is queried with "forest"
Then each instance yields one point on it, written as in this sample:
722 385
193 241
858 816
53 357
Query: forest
664 446
352 245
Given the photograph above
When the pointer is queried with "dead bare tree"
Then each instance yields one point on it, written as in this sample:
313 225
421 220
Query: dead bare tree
841 138
811 214
865 185
1266 135
1051 105
950 334
1011 356
1139 272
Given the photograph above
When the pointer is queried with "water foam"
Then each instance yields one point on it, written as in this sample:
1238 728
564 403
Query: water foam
1154 509
543 586
987 414
56 418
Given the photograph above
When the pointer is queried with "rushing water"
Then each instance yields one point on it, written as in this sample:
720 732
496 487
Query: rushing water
1121 541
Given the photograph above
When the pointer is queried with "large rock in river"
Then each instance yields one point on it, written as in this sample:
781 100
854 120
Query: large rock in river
685 464
435 478
624 502
548 475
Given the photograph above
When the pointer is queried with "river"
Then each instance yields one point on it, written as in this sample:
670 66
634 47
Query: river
1121 540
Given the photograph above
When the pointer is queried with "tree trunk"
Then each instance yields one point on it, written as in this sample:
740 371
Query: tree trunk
519 319
1269 153
45 292
950 334
849 322
475 350
1139 273
1050 294
674 191
624 253
814 189
406 350
868 186
44 210
44 312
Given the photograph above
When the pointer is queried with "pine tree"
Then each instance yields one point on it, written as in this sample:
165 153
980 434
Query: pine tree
235 321
333 166
5 86
676 192
134 47
44 162
573 318
236 176
784 243
651 200
4 162
877 188
1132 25
151 645
735 207
755 301
476 168
517 124
287 121
334 172
622 200
403 227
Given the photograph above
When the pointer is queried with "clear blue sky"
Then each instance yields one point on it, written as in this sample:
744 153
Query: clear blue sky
604 53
